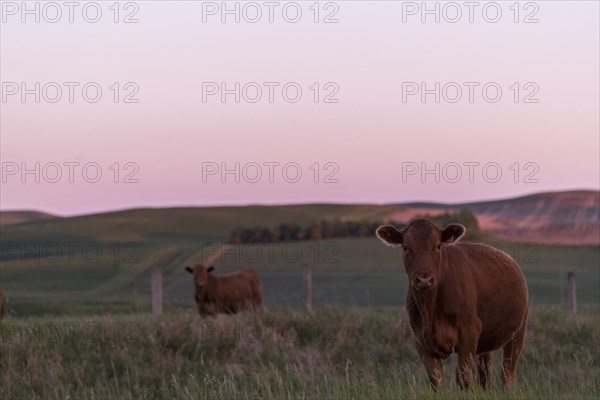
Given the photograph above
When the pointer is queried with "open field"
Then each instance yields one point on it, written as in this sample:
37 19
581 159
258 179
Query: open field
334 353
100 263
357 272
78 322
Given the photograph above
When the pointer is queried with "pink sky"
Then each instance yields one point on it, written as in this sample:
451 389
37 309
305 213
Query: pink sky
366 136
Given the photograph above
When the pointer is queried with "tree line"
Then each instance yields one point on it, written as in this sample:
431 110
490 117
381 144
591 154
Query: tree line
330 229
464 217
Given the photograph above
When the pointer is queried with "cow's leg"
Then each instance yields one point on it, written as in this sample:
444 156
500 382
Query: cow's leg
258 299
434 367
255 304
464 372
512 351
484 368
467 350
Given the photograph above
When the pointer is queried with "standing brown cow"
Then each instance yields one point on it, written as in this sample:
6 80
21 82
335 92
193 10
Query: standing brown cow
464 298
227 294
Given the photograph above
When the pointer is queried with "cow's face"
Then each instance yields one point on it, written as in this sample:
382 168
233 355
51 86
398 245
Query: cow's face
422 246
200 273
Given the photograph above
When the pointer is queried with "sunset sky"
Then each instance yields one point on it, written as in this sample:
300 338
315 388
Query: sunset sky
369 139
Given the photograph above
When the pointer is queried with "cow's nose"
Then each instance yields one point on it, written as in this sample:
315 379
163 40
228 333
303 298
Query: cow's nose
423 281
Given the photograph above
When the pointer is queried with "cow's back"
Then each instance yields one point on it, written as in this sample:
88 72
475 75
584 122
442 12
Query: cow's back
236 291
500 290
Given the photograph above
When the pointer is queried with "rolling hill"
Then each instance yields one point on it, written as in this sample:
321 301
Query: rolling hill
21 217
101 262
571 217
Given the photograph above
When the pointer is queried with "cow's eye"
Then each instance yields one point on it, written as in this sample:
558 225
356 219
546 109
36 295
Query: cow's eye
439 246
406 249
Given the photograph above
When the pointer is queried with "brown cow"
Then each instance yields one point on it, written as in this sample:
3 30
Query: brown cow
227 294
465 298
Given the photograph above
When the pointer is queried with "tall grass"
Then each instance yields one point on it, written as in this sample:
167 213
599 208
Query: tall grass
333 353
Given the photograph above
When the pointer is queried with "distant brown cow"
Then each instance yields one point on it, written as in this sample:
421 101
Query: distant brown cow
227 294
464 298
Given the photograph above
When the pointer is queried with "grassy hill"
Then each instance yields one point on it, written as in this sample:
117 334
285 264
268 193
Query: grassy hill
101 262
346 272
173 223
78 312
21 217
541 211
569 217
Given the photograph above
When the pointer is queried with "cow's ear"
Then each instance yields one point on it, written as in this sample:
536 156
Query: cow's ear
389 235
189 269
211 268
453 233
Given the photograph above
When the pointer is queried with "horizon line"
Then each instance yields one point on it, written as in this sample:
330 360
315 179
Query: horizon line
466 202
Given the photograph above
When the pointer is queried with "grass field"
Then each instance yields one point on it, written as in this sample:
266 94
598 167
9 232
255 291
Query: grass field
77 319
346 272
334 353
102 260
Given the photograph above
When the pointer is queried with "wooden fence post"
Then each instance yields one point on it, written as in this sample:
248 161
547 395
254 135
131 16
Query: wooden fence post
157 295
572 294
307 288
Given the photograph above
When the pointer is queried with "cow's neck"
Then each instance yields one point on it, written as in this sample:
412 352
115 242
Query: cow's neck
207 292
202 294
426 304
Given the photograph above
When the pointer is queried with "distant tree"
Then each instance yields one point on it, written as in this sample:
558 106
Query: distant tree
295 231
236 235
324 229
469 220
464 217
314 232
